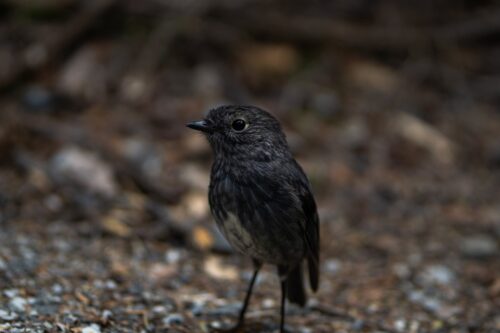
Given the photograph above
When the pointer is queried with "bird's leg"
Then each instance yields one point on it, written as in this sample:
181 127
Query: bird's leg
283 298
241 319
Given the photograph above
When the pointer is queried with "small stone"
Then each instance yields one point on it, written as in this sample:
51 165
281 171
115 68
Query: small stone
424 135
18 304
216 324
70 319
436 274
333 266
94 328
214 267
326 104
429 303
232 309
268 303
106 315
260 62
7 315
208 83
159 309
145 156
3 264
173 256
85 169
11 293
173 319
401 270
53 202
111 285
479 247
38 99
358 325
115 224
83 75
414 326
198 308
57 288
400 325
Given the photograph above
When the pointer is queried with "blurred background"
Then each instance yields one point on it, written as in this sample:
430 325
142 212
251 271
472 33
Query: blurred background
391 107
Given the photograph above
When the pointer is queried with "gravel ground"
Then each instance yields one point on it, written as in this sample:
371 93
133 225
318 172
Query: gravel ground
391 108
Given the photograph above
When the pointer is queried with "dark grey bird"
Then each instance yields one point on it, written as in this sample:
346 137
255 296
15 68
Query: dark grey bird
261 198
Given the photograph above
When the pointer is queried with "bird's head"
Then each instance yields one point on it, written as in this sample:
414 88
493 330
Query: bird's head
244 132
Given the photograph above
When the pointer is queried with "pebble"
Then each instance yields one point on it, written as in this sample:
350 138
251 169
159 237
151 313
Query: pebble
53 202
106 315
7 315
37 99
11 293
358 325
173 319
425 136
111 285
208 83
232 309
326 104
268 303
159 309
333 266
216 324
197 309
18 304
3 264
428 302
401 270
400 325
173 256
144 155
479 247
70 319
83 75
436 274
216 269
94 328
57 288
73 165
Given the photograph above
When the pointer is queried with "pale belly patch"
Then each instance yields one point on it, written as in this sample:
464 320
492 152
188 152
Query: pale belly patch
258 246
239 238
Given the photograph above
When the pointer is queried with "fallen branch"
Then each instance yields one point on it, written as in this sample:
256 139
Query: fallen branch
346 34
50 50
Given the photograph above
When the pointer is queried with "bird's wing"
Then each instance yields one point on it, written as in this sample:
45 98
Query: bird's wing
311 226
285 190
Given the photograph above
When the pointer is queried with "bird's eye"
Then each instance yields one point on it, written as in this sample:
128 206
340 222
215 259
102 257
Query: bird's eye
239 125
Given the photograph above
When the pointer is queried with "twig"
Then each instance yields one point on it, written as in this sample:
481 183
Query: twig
343 33
53 46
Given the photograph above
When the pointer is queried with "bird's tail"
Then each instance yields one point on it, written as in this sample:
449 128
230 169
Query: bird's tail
295 286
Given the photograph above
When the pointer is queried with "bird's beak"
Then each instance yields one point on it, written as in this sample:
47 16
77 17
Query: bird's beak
201 125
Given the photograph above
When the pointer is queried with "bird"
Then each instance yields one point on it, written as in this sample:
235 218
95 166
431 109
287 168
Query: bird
262 200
